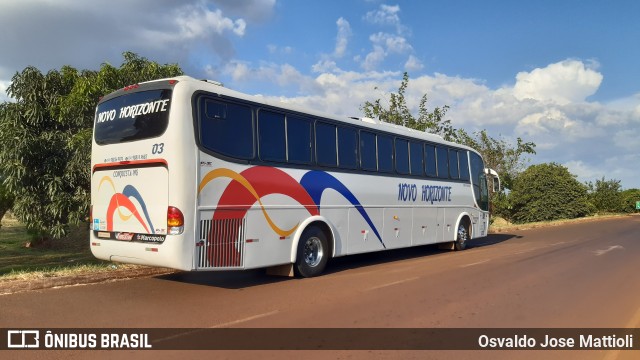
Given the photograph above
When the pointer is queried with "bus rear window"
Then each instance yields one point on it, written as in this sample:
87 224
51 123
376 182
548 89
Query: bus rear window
131 117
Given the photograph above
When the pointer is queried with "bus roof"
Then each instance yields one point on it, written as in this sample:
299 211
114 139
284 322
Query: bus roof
218 88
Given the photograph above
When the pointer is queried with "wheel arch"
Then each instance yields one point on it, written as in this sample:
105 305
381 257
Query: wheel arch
464 218
323 224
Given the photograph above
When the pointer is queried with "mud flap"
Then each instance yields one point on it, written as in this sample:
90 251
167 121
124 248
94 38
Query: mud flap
281 270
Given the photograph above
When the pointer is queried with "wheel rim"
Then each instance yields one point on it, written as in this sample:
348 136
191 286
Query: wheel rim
463 235
313 252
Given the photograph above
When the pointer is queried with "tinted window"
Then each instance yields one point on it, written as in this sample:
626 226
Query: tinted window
226 128
453 164
443 162
326 144
368 151
464 165
385 153
347 148
271 136
430 160
299 140
131 117
415 158
402 156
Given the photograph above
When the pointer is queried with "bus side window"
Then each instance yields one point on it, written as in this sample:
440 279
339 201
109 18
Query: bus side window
347 148
368 158
430 160
326 150
443 162
416 155
216 110
453 164
298 140
271 136
402 156
218 121
464 165
385 153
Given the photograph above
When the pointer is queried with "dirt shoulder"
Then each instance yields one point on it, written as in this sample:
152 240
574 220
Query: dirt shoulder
502 226
38 283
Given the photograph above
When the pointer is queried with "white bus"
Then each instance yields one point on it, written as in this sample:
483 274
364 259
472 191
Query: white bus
190 175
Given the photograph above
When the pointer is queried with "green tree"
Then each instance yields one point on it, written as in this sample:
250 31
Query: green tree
398 113
548 192
629 199
49 127
6 199
507 159
606 195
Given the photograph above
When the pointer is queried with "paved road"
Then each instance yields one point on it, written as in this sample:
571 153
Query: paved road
581 275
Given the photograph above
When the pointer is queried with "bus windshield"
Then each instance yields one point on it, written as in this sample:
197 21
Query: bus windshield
134 116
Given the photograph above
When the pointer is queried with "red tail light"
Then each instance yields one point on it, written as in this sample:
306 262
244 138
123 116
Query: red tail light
131 87
175 221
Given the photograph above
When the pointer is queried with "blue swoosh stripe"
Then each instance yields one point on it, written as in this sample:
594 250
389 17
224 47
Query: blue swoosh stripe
130 191
316 182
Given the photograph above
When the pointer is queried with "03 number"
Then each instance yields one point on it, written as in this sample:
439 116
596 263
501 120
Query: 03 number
157 148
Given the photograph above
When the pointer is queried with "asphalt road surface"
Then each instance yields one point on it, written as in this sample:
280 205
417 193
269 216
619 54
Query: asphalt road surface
581 275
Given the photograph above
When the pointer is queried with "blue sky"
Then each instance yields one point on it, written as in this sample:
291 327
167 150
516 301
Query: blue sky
563 74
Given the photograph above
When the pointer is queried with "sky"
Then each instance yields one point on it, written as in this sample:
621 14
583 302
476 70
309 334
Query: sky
562 74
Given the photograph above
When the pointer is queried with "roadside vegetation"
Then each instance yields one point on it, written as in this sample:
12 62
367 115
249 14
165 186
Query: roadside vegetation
19 257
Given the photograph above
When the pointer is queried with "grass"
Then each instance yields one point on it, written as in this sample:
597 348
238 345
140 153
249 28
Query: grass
501 225
52 258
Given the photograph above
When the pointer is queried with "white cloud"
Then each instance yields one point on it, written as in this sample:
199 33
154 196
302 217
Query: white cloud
384 44
584 171
386 15
342 39
374 58
282 75
198 22
275 49
392 43
325 66
413 64
252 10
3 91
563 82
85 34
628 139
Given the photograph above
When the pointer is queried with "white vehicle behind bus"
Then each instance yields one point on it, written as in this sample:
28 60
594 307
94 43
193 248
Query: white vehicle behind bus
190 175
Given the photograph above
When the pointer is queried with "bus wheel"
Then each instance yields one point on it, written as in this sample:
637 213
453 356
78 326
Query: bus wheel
463 236
313 252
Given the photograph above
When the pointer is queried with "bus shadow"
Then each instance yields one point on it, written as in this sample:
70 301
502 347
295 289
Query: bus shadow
372 259
249 278
224 279
492 239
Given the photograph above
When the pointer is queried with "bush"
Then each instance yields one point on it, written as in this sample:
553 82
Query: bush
548 192
606 196
629 199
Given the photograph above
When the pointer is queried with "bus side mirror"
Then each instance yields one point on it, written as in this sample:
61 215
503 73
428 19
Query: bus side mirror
496 179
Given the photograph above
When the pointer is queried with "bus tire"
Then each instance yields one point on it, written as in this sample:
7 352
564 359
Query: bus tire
313 252
462 236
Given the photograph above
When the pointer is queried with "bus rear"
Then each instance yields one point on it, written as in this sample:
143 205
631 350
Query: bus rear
141 161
